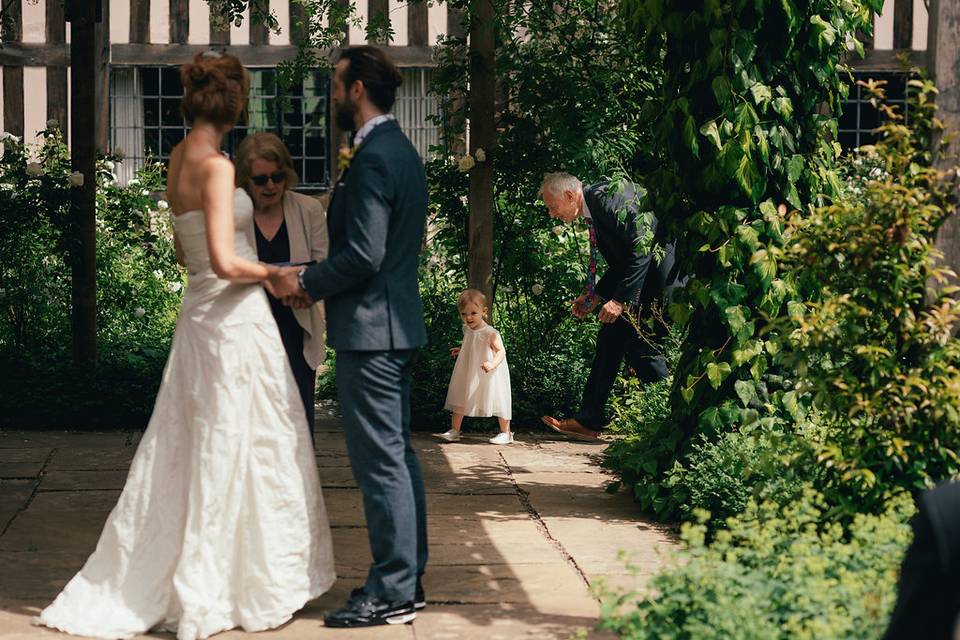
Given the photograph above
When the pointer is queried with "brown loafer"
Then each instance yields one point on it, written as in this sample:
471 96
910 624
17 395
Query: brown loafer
571 428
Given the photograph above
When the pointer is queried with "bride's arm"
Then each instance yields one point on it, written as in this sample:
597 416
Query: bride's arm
217 195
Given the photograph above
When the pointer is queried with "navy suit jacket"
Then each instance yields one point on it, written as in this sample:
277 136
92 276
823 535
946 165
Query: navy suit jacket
376 221
632 277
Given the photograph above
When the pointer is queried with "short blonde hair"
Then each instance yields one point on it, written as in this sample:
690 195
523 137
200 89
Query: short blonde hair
265 146
558 182
471 296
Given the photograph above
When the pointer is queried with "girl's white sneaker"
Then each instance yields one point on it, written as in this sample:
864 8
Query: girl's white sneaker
449 436
502 438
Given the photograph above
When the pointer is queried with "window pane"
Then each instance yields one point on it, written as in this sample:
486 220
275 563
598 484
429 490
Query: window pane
150 82
315 171
170 112
316 143
170 82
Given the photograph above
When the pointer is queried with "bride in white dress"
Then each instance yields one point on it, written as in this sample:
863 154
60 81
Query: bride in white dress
221 523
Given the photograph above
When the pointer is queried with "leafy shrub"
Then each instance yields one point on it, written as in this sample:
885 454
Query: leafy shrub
872 344
775 572
138 292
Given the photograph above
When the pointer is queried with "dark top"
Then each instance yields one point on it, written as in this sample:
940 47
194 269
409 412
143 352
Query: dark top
632 277
376 221
277 249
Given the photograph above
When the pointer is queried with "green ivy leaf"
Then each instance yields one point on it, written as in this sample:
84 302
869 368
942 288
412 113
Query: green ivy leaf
747 392
722 90
795 167
710 131
736 319
761 94
690 136
716 373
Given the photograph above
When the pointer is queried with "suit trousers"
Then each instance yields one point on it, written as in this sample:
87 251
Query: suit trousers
374 392
616 341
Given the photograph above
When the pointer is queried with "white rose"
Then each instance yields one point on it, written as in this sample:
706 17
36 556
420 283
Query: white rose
144 192
162 205
481 155
8 137
134 182
558 230
537 289
158 274
109 165
173 287
466 163
76 179
34 169
53 123
139 312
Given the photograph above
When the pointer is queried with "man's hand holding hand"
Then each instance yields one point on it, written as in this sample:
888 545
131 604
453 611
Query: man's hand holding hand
610 311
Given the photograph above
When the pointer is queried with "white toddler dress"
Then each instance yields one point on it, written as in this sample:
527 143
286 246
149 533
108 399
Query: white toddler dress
473 392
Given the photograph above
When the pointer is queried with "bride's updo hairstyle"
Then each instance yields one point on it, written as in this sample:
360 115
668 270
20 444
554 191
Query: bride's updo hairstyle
215 87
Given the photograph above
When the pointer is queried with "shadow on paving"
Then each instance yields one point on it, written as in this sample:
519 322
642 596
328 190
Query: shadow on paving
515 532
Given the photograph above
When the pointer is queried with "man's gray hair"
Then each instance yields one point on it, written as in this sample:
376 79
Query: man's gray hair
556 183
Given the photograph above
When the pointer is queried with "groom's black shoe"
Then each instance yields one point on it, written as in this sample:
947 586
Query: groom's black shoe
420 599
364 610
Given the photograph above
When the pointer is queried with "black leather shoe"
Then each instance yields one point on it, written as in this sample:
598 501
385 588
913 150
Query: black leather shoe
420 599
368 611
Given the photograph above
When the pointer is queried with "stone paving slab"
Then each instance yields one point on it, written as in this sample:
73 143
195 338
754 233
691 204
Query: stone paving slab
517 533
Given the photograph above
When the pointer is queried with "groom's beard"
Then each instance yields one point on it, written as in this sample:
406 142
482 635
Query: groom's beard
345 112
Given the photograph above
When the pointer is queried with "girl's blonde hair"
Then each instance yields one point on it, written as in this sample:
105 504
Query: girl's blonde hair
471 296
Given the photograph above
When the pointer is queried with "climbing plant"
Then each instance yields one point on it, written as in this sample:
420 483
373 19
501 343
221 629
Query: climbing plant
744 124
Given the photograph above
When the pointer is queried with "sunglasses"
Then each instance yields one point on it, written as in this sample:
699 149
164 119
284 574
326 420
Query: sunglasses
276 178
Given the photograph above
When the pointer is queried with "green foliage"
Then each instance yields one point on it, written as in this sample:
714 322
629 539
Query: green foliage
581 54
775 572
871 344
138 291
740 129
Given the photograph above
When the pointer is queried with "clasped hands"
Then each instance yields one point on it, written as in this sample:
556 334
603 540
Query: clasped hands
609 312
282 284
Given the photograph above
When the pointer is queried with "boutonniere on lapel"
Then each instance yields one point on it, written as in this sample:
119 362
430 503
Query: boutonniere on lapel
344 159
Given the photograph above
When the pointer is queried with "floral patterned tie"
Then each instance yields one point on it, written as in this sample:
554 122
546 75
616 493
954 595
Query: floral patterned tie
592 269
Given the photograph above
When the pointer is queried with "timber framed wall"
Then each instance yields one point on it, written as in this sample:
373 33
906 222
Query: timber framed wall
151 34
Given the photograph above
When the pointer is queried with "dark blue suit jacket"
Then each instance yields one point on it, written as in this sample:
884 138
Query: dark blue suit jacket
632 276
376 221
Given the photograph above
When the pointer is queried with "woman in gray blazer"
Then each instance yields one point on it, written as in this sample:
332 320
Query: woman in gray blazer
288 227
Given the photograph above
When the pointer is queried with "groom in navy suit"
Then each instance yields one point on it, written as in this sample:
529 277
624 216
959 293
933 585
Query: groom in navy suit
375 322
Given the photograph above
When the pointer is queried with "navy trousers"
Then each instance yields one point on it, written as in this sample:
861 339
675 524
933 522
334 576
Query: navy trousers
615 342
374 392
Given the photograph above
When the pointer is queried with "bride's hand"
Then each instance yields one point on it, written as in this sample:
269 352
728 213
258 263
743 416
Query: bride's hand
282 282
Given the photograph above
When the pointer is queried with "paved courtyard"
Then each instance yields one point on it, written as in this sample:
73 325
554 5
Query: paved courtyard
517 533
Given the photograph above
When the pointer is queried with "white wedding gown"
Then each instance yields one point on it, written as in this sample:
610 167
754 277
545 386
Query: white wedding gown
221 523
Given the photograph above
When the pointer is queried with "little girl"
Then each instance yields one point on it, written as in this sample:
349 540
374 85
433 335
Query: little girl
480 384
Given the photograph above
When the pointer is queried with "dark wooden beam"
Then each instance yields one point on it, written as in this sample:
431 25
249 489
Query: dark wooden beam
140 20
346 27
28 54
13 100
483 135
259 34
455 22
418 31
219 36
903 24
249 55
887 60
378 8
83 114
297 20
56 29
102 35
179 21
13 75
12 30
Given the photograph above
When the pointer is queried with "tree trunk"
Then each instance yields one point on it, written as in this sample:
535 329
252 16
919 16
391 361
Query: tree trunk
83 81
943 51
483 86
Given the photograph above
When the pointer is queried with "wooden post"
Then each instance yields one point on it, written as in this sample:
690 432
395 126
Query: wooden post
483 135
13 75
943 51
83 83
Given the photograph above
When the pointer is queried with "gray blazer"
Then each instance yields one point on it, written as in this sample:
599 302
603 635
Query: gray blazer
376 221
307 229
